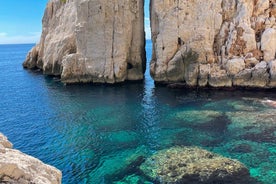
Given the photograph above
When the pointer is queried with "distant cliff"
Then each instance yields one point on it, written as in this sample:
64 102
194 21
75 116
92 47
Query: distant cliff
220 43
91 41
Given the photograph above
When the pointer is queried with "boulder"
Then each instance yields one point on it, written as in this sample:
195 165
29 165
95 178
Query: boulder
17 167
243 78
219 78
260 76
193 165
234 66
91 41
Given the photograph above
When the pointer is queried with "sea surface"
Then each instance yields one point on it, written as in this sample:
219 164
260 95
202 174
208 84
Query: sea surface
92 132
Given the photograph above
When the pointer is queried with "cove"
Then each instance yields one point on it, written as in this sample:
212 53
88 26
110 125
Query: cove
92 132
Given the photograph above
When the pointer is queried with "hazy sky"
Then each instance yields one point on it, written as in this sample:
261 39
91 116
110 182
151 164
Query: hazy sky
20 20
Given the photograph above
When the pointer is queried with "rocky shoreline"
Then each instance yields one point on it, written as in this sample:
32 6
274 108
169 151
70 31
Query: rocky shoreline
219 44
19 168
214 43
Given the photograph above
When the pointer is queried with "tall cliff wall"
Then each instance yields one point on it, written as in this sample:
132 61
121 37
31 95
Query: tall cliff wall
220 43
91 41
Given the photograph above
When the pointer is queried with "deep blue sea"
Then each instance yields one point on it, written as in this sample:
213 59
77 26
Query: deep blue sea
92 132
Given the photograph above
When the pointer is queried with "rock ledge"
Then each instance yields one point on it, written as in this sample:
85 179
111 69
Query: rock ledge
19 168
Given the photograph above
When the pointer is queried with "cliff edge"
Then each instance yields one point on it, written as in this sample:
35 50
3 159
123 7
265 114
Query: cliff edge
222 43
19 168
97 41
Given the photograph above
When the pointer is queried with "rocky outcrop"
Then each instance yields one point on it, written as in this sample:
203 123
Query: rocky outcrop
91 41
194 166
19 168
220 43
4 142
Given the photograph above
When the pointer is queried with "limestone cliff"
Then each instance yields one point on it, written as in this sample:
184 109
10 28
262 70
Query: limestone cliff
91 41
19 168
220 43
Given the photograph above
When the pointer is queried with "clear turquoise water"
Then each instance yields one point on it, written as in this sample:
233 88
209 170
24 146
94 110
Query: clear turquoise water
100 134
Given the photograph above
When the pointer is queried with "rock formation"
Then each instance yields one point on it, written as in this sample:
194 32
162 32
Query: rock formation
97 41
194 166
221 43
17 167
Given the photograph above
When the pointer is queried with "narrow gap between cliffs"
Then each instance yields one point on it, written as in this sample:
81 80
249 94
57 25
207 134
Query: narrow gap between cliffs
148 80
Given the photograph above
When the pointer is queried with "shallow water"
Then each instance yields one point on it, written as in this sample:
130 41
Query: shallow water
100 134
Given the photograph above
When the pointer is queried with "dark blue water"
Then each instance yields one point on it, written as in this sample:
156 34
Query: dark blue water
95 133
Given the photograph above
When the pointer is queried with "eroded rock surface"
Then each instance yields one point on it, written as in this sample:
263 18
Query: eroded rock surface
4 142
194 166
19 168
91 41
221 43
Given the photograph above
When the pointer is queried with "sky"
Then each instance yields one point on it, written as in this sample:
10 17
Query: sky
21 20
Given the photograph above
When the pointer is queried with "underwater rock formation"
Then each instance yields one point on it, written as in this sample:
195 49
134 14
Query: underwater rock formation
17 167
198 116
115 166
194 166
220 43
91 41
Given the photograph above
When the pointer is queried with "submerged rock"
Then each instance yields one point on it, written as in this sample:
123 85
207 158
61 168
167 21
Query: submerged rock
256 126
98 41
232 37
195 116
17 167
233 105
194 166
116 166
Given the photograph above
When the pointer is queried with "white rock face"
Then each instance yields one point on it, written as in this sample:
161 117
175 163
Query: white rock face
91 41
268 44
218 33
19 168
182 29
